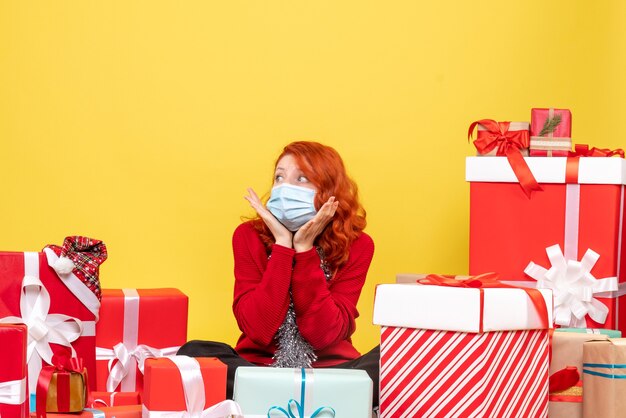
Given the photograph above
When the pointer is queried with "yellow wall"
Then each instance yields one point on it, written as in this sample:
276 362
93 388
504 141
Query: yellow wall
142 122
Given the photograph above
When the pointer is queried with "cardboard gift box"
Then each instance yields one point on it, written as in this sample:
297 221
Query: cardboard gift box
550 132
604 377
123 411
13 399
181 385
456 351
567 237
567 352
62 387
100 399
136 324
262 391
32 292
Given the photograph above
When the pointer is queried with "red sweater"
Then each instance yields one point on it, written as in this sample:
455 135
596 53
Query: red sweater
325 311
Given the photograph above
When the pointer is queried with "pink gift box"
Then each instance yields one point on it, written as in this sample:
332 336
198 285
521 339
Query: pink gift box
550 132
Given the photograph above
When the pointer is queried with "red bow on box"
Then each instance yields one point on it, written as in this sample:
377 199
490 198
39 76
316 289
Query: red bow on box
583 150
488 280
63 366
508 143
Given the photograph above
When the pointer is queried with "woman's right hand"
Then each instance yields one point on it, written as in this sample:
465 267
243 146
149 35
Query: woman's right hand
282 235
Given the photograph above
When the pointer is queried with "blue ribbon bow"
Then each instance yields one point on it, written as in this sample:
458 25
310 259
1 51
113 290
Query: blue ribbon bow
299 406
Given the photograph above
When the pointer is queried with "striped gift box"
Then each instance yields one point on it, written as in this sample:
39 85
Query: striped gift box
485 357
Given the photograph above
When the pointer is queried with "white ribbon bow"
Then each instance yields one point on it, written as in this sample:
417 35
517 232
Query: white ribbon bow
193 388
573 287
13 392
122 361
43 328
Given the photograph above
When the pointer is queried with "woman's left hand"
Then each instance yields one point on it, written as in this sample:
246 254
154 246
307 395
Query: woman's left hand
305 236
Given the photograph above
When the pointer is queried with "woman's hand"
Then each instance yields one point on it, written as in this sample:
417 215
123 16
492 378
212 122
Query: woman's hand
282 235
305 236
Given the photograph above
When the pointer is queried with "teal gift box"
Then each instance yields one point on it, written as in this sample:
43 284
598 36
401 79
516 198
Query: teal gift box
303 393
612 333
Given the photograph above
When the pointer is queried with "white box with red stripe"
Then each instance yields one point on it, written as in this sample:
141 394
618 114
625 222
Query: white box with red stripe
462 352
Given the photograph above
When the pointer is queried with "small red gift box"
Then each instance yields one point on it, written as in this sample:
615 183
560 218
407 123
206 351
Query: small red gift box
550 132
13 341
106 399
574 228
169 382
64 308
136 324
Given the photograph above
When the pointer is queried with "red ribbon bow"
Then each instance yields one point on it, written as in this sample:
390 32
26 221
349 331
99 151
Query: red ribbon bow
63 365
507 143
583 150
488 280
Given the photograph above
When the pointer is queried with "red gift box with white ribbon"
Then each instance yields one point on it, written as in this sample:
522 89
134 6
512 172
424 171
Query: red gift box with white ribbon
185 387
567 237
13 341
58 308
137 324
463 351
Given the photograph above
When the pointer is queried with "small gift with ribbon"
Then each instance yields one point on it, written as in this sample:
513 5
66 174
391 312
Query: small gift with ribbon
186 387
506 139
550 132
56 298
107 399
463 347
137 324
303 393
62 387
604 376
13 341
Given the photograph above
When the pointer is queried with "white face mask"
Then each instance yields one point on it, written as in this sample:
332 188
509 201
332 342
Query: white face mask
292 205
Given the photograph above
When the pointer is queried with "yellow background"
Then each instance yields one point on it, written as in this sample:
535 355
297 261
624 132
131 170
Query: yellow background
142 122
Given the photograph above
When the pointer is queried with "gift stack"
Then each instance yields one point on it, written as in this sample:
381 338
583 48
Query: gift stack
555 220
69 347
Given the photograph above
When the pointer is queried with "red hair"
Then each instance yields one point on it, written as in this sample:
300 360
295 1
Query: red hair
324 168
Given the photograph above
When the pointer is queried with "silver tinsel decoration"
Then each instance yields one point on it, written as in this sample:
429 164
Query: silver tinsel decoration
293 350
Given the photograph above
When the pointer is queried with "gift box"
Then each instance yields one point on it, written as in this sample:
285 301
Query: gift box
62 387
261 391
550 132
567 237
604 377
122 411
136 324
59 308
566 394
611 333
496 138
13 341
106 399
463 351
174 384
